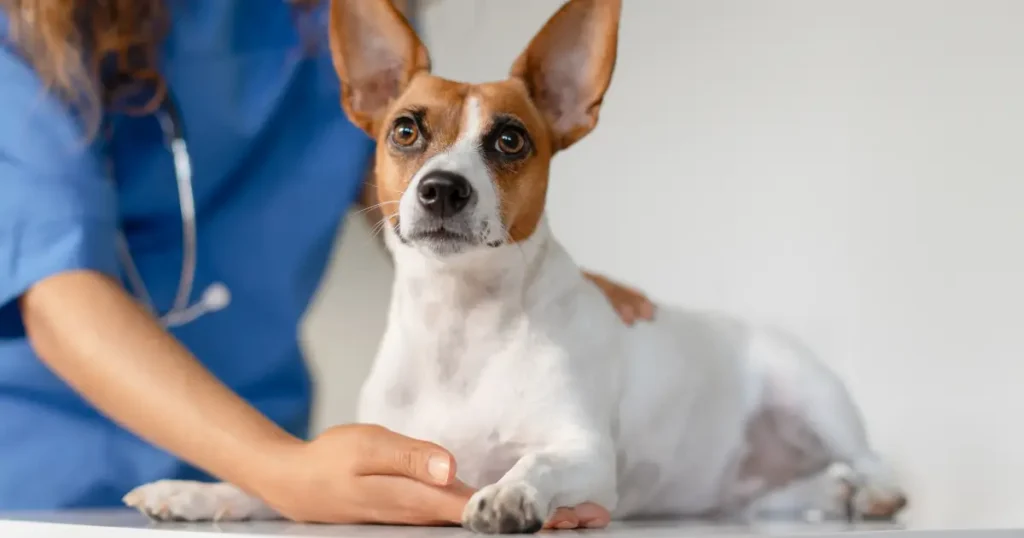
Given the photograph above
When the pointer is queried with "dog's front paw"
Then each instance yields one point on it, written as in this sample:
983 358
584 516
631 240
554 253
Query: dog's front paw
505 509
180 500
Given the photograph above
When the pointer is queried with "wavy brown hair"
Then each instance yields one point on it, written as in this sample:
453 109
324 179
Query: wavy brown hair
68 41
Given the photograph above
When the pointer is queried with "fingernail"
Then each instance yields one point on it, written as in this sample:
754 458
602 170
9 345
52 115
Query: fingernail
565 525
439 466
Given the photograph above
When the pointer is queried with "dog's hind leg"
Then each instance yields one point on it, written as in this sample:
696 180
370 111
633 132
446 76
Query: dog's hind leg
813 394
821 496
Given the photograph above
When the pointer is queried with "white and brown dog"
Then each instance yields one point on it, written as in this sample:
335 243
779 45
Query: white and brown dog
498 348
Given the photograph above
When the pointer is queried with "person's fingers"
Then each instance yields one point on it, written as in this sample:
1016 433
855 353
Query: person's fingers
592 516
627 313
388 453
564 518
401 500
641 308
647 310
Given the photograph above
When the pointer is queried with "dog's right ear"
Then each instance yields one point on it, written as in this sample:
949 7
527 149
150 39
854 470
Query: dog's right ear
376 53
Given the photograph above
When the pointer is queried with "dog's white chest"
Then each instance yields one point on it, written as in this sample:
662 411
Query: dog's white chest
469 419
468 386
470 429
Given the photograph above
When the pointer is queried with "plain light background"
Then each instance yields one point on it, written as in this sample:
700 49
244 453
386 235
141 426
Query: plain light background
852 170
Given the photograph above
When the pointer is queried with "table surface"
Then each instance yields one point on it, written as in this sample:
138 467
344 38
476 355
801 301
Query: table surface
124 523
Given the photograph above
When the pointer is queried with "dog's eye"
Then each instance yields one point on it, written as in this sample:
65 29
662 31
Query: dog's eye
511 141
405 132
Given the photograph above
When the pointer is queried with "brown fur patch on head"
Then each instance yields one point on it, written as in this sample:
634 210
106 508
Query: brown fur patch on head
438 104
522 184
441 105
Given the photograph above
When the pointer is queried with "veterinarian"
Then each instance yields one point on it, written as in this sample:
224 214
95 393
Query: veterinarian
169 196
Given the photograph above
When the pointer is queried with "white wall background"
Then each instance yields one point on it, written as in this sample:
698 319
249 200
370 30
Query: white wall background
851 169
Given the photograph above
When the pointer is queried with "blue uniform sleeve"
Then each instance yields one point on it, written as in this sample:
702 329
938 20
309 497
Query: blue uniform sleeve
58 211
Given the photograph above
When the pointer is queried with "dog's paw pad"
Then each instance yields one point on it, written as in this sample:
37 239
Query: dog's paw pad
505 509
179 500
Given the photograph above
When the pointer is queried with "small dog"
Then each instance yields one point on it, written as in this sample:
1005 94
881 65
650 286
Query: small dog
497 347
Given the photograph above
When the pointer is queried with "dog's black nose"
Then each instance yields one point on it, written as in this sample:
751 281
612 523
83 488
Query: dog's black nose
444 194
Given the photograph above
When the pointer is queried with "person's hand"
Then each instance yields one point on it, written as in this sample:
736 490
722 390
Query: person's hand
369 474
628 302
587 515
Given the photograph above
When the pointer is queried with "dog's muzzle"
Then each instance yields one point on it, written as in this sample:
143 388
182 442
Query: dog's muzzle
442 220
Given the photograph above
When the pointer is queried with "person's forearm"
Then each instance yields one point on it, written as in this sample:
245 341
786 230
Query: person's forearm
94 336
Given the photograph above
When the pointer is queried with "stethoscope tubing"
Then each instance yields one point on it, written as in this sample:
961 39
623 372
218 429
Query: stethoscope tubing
180 312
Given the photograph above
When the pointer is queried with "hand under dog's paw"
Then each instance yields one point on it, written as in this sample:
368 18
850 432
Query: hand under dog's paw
505 509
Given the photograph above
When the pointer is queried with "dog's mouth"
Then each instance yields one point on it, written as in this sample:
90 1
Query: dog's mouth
442 235
441 239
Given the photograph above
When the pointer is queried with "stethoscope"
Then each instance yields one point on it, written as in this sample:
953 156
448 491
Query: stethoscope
216 296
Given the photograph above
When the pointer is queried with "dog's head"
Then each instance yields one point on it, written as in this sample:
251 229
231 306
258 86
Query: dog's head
463 167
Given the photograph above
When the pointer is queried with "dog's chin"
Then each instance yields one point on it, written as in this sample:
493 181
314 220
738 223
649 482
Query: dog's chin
439 242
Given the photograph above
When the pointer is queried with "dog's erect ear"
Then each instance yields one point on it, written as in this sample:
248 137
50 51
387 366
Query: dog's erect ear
568 66
376 53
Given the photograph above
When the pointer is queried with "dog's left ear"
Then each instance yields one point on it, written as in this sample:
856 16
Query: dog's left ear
376 54
568 66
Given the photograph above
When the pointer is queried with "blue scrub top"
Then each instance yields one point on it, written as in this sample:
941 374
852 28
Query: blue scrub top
275 167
